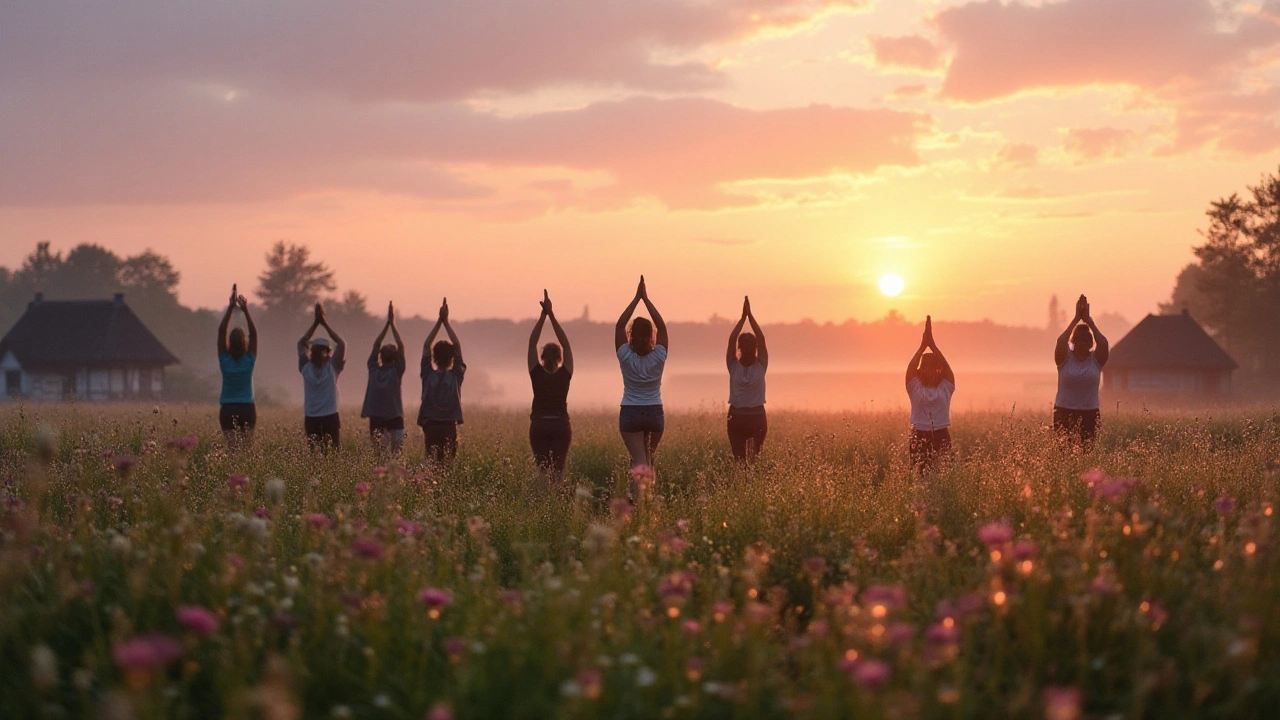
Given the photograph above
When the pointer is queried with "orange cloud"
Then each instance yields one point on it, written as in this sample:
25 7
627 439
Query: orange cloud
1016 156
912 52
1102 143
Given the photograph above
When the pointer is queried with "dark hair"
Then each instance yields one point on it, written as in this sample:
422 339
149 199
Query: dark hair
747 348
929 359
442 353
1082 332
551 356
237 343
641 334
388 354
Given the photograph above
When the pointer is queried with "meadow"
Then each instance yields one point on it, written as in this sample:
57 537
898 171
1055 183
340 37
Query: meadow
147 572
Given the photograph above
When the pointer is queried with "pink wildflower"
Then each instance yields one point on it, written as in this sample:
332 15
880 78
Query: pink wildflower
435 598
125 464
691 627
476 526
380 472
870 673
996 533
1093 477
1061 703
1113 487
262 513
675 588
1024 550
183 444
318 521
891 597
237 482
367 548
1225 505
114 501
146 652
621 510
440 711
901 634
363 488
814 567
408 527
943 633
454 648
197 619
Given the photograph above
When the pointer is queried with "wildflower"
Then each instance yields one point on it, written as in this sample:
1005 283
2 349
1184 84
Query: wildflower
591 683
996 533
693 669
454 648
476 526
621 510
887 597
146 652
380 472
901 634
1225 505
120 545
114 501
943 633
1024 550
1061 703
814 567
435 599
642 477
197 619
1113 488
440 711
124 465
691 627
599 538
870 673
275 490
1093 477
182 444
262 514
363 488
318 521
44 668
367 548
237 482
511 598
645 677
675 588
408 528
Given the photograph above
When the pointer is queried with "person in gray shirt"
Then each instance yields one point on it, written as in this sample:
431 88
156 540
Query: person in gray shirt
747 358
441 411
382 400
320 361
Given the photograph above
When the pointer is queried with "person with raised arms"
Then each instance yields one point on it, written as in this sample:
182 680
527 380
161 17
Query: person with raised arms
747 358
930 385
642 355
441 411
550 373
321 361
237 356
383 404
1080 353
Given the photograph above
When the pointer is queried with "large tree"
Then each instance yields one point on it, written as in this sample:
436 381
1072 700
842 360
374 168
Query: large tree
292 282
1233 287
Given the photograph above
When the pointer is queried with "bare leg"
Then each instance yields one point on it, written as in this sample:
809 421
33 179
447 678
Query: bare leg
651 446
636 447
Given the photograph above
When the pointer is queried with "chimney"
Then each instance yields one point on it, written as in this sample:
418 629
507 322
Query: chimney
117 299
38 299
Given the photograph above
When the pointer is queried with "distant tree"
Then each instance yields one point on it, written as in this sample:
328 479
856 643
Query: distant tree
149 272
38 266
352 307
292 282
1233 287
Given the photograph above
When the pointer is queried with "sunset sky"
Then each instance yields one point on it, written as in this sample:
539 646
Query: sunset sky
798 150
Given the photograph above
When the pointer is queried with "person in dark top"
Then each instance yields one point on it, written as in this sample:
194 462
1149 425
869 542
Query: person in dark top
747 359
237 356
382 402
550 373
441 410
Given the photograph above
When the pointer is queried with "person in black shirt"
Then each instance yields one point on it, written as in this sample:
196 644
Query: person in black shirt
550 373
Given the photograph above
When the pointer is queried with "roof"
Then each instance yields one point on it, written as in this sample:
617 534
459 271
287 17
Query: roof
82 332
1169 342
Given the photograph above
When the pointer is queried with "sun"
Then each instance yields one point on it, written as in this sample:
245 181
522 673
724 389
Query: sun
892 284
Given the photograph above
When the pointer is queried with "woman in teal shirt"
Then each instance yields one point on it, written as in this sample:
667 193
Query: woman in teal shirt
237 355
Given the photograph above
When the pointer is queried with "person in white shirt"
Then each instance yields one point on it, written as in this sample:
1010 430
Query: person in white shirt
642 355
747 359
1080 353
321 360
930 385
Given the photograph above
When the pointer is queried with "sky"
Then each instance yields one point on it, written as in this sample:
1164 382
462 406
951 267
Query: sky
989 153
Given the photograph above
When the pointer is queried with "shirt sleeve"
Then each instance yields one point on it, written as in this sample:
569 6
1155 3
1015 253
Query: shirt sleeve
400 364
661 352
373 359
302 358
913 386
625 352
762 357
425 367
339 358
949 387
459 368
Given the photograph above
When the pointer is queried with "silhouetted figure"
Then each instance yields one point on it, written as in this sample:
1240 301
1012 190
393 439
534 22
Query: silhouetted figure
930 385
237 356
320 361
383 404
747 358
550 372
1081 352
441 410
642 355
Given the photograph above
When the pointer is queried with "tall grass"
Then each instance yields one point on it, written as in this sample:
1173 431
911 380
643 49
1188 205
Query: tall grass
147 572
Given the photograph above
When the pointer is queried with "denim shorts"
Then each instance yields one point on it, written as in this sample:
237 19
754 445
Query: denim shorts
641 418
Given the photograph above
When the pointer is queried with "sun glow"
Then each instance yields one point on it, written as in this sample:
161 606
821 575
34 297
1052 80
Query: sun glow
892 285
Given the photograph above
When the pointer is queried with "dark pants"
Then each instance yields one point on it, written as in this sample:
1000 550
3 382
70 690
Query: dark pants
386 432
928 447
323 431
441 441
550 437
1078 426
746 433
241 417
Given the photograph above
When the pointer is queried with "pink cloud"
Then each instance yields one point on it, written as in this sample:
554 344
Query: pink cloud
1017 156
1101 143
912 52
401 50
1001 49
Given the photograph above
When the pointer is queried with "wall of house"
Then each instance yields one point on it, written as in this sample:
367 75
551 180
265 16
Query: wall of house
1168 382
91 384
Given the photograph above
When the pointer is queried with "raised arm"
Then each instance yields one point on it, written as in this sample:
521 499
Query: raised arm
533 338
448 328
620 330
658 323
339 345
567 361
395 331
248 320
226 322
762 350
377 342
1101 348
913 367
730 353
305 340
1061 347
947 373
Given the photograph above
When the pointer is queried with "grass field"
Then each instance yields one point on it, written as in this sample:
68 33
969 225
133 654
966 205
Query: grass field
145 572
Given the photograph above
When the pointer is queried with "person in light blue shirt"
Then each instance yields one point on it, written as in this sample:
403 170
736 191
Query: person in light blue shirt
642 356
237 355
320 361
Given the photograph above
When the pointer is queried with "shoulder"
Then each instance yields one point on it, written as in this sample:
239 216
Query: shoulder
914 384
625 352
948 387
660 351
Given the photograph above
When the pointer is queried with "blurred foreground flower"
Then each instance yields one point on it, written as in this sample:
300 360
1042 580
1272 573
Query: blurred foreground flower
1061 703
237 482
197 619
996 533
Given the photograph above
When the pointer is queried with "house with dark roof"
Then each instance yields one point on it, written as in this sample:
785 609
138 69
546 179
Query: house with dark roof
82 350
1168 355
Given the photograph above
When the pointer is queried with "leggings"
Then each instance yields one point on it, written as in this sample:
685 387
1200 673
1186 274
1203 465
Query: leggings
323 431
1078 426
928 447
746 433
550 437
442 441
